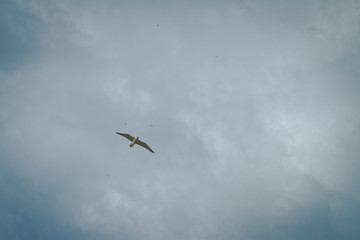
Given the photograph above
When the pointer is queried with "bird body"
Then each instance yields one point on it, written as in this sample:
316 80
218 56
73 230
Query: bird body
135 141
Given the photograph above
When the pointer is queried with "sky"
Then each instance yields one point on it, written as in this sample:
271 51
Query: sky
251 107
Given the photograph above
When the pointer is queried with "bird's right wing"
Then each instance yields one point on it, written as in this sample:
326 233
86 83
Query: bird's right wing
144 145
128 136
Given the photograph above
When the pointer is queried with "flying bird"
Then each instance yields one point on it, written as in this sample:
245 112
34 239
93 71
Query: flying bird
135 141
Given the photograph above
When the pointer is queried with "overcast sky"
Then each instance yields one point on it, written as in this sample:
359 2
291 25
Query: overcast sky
252 109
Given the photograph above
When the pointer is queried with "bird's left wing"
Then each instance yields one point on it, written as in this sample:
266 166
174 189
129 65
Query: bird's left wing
128 136
144 145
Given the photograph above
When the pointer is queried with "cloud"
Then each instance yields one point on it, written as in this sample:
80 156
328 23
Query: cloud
250 107
17 38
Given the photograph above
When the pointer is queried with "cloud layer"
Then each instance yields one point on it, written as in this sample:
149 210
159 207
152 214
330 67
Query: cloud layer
251 109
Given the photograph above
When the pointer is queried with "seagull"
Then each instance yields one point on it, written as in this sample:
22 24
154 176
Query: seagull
135 141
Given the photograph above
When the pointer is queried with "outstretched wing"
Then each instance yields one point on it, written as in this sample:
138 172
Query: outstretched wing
144 145
128 136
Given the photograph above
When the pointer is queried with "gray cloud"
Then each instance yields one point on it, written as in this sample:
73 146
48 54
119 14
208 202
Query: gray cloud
17 39
250 107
